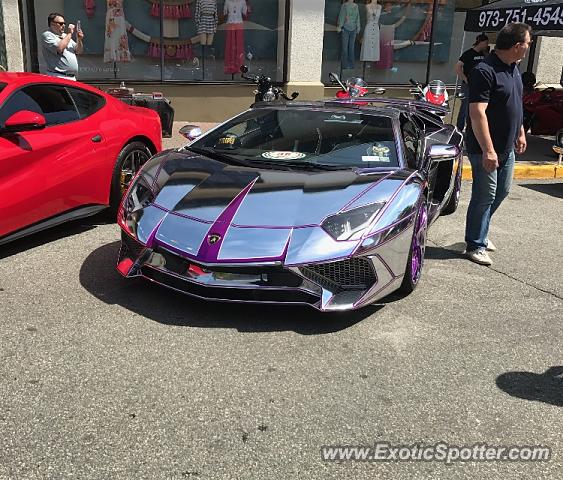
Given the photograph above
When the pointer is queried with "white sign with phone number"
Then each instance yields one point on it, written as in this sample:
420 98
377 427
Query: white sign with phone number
544 17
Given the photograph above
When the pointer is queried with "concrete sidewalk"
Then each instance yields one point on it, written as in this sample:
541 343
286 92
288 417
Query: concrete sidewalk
538 162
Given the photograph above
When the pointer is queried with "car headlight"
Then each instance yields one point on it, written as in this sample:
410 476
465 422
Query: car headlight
343 226
138 197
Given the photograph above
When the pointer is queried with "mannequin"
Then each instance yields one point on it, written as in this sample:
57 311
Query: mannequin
234 40
370 43
116 46
348 26
206 20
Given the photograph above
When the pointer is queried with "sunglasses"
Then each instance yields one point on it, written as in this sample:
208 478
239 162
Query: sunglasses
59 23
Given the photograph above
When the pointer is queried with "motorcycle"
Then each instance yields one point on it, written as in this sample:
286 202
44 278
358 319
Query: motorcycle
266 91
155 101
434 92
543 111
353 87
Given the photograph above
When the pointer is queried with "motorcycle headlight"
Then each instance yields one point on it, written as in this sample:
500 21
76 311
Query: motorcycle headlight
345 225
269 96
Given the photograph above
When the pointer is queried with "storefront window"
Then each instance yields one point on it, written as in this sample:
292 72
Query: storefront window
449 39
172 40
3 59
390 43
393 43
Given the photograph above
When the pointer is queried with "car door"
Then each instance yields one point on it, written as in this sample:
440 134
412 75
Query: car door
42 172
414 141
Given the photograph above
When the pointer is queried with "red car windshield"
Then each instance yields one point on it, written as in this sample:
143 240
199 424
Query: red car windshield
342 139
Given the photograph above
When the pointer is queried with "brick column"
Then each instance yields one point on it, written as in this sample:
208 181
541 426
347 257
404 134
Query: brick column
11 23
305 48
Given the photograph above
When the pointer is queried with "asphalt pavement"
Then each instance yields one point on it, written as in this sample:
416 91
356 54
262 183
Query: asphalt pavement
107 378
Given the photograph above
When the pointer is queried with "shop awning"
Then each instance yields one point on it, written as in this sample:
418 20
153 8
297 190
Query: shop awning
544 16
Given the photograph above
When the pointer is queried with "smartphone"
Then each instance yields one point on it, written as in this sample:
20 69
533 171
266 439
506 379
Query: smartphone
78 26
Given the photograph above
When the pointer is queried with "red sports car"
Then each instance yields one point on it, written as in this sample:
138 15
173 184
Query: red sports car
67 150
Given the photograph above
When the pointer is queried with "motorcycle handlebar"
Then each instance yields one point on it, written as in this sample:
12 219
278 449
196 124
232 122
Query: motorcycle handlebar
294 95
252 78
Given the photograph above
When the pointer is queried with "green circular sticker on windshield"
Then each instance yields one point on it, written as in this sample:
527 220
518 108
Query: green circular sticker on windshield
283 155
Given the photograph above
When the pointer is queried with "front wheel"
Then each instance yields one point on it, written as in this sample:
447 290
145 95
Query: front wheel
129 161
415 261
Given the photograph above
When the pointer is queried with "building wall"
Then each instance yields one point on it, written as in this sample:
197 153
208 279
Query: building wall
212 103
549 64
12 31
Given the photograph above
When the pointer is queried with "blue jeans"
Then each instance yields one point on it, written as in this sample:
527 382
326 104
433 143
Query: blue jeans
464 107
487 193
348 44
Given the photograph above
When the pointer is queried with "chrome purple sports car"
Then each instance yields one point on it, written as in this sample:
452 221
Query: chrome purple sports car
318 203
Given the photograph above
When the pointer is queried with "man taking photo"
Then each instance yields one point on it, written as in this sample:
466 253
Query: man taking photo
59 49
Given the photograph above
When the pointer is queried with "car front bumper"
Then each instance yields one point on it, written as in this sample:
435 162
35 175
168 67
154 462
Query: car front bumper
340 285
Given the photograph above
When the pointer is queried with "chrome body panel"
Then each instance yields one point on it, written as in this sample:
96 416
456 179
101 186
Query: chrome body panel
235 233
254 243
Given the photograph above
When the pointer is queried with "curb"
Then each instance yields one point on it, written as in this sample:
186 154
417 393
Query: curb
525 171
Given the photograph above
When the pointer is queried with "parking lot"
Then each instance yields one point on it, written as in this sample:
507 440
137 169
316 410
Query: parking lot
102 377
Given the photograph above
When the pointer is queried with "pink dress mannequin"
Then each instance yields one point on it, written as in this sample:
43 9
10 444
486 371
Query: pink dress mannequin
234 10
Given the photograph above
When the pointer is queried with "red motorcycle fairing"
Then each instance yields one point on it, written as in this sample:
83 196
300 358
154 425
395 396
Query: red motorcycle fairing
435 99
345 94
543 111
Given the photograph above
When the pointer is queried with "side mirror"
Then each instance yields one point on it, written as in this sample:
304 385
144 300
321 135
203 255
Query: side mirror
438 153
294 95
333 78
191 132
24 121
243 69
336 79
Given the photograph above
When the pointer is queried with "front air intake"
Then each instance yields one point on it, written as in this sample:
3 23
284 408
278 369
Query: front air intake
352 274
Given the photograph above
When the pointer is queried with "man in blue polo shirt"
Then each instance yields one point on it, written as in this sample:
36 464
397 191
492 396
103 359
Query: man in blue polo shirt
494 133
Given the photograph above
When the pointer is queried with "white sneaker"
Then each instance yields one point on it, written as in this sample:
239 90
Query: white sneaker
491 246
479 256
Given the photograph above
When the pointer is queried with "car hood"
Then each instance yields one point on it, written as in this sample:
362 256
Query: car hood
211 191
250 209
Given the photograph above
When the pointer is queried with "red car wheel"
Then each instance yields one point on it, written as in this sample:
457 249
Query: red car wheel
129 161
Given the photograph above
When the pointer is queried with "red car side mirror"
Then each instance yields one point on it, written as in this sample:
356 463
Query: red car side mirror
24 120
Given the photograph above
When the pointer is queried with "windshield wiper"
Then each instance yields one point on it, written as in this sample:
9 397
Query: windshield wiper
300 165
212 153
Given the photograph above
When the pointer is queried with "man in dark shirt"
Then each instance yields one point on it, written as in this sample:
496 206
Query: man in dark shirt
467 61
494 132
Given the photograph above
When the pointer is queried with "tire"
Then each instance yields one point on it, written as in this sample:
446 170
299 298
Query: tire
453 201
415 262
131 158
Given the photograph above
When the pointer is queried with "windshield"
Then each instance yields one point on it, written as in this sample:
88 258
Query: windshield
304 137
437 87
2 86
